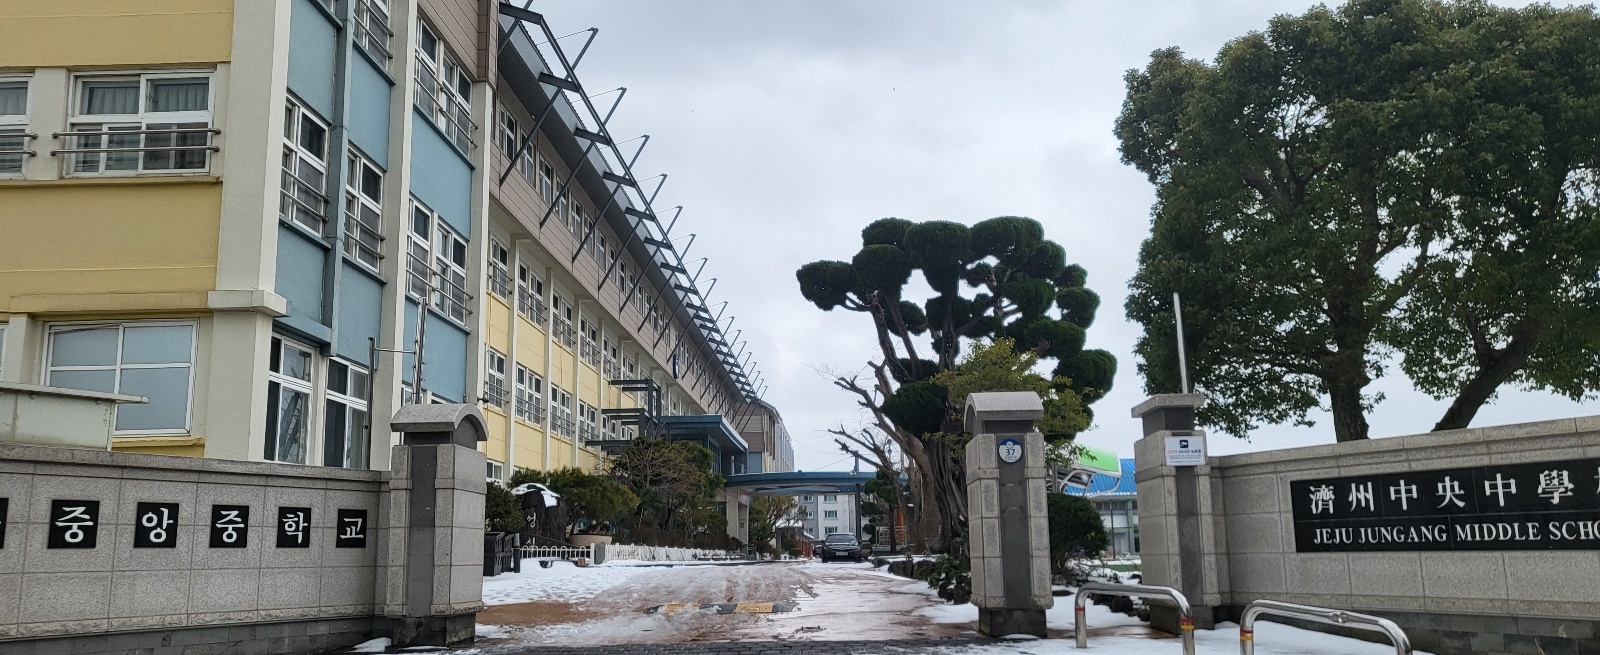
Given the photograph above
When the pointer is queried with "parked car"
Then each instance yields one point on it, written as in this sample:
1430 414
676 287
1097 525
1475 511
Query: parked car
841 545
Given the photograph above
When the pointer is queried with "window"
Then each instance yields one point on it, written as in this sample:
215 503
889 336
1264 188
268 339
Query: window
128 124
372 29
305 169
506 135
610 364
499 267
13 126
807 499
530 295
830 499
494 384
530 395
587 335
496 472
289 376
450 265
561 313
561 411
526 164
444 93
155 360
346 430
575 220
587 417
830 514
832 529
444 285
547 183
363 212
608 428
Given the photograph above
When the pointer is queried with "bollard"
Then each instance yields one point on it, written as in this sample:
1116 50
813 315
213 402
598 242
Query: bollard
1080 628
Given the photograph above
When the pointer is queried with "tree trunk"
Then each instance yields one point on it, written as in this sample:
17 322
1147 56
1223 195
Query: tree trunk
1349 421
1494 369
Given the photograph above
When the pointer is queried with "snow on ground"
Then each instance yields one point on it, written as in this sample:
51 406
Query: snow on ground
836 601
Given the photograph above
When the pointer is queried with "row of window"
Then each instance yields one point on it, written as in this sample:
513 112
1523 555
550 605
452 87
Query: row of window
119 124
527 400
296 376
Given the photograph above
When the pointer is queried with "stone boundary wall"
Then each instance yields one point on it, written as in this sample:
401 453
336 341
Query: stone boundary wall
1449 602
117 587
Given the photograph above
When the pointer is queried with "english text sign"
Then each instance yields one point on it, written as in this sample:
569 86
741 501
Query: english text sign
1541 506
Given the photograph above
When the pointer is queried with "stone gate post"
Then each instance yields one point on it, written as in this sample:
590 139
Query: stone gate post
432 578
1181 543
1007 521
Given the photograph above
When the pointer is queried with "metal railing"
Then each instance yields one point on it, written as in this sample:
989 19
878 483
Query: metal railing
362 242
561 425
494 391
372 31
1080 627
530 408
586 432
304 204
453 296
1271 608
588 351
452 117
147 162
546 555
499 280
531 306
13 148
564 333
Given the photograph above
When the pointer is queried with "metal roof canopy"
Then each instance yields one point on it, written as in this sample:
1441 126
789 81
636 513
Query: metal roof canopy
517 57
789 483
712 427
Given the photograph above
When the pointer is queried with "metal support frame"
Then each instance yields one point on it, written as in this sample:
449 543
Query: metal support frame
1272 608
1080 627
626 179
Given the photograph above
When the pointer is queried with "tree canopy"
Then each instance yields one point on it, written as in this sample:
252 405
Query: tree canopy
1393 177
1019 290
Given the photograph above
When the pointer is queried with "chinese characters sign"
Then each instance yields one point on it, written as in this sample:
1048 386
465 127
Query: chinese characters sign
1543 506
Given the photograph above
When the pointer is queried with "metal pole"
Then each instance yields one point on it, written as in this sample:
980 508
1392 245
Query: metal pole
1183 364
1080 627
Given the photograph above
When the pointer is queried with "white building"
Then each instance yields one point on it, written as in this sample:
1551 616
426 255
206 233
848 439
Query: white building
830 513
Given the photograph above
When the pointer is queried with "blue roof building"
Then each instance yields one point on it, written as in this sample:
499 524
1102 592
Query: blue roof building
1117 499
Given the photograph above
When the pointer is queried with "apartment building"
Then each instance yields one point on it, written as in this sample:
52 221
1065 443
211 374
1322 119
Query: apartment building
829 513
256 212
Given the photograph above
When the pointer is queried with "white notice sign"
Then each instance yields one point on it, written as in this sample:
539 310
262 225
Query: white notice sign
1186 451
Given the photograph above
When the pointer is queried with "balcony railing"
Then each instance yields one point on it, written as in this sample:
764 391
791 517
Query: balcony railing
530 408
494 391
531 306
588 351
586 432
133 150
372 30
14 150
303 203
362 240
499 281
564 333
453 296
451 116
561 424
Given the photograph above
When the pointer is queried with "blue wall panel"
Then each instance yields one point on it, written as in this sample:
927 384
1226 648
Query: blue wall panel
359 305
440 177
369 110
300 274
312 40
444 369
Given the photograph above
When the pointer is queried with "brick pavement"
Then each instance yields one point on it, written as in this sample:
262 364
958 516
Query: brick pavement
898 647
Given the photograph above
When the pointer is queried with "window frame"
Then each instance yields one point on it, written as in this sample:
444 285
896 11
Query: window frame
561 410
360 246
350 403
529 396
313 417
530 295
194 349
500 269
14 134
449 110
494 378
138 121
296 117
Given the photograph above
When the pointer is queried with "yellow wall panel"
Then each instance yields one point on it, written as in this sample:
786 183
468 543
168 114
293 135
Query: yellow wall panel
495 423
561 369
498 317
105 238
36 33
530 345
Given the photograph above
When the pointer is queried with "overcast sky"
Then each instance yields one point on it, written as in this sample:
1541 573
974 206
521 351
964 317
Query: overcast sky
788 126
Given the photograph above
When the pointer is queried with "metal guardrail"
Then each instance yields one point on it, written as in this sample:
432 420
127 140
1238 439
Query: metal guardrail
1271 608
1080 627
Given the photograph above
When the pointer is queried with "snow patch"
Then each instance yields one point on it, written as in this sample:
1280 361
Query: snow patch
374 646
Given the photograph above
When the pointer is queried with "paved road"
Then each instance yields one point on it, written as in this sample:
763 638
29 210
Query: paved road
899 647
592 610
